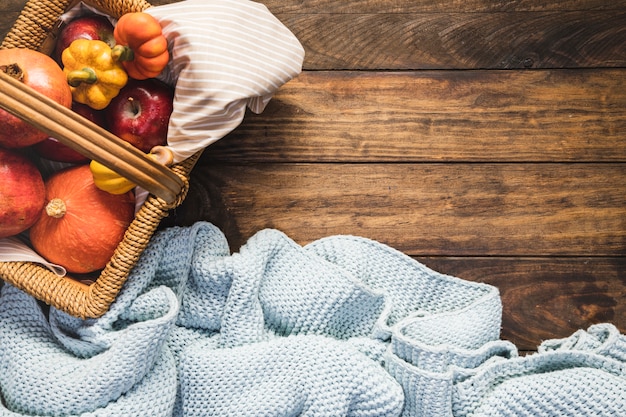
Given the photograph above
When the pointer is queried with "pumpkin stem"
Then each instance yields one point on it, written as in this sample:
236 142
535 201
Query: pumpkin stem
121 53
56 208
86 75
14 70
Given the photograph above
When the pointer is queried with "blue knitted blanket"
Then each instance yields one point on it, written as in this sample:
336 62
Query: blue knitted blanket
344 326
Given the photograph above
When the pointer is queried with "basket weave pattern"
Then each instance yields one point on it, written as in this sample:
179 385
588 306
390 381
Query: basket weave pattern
34 25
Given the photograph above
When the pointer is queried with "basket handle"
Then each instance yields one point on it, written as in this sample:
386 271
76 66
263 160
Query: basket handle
89 139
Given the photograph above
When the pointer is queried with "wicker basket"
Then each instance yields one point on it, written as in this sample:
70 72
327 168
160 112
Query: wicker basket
35 29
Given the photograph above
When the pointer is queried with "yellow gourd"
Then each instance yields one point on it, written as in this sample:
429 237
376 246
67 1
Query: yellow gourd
110 181
92 73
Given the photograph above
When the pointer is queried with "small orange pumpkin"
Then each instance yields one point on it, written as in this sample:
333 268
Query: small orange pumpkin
141 46
81 225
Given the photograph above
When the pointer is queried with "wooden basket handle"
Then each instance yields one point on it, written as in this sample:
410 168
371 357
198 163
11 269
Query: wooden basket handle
89 139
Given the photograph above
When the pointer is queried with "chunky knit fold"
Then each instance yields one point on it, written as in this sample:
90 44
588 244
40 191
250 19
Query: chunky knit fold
344 326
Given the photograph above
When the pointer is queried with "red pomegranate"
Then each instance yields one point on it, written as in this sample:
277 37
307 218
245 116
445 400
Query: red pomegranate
22 193
43 74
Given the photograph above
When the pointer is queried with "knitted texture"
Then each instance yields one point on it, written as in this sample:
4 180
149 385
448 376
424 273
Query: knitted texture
344 326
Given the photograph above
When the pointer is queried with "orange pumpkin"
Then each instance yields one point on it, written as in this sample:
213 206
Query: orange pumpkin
141 45
81 225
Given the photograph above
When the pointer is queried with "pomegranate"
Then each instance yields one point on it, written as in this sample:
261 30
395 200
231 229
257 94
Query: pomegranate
22 193
43 74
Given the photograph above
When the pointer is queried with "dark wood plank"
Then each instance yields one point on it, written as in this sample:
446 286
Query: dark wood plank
11 6
504 40
423 209
6 21
558 115
437 6
545 298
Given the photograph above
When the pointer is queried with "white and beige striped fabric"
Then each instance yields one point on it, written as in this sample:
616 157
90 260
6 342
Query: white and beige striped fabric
15 248
226 56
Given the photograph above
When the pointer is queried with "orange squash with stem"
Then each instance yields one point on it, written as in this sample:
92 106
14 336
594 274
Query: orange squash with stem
81 225
140 45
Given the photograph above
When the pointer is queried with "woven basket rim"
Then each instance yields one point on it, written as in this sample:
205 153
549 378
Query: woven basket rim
34 29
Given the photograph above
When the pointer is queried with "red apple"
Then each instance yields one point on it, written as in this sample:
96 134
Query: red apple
54 150
84 27
140 113
22 193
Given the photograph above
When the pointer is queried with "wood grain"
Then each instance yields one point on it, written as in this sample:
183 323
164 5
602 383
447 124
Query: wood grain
502 40
7 22
424 209
549 116
436 6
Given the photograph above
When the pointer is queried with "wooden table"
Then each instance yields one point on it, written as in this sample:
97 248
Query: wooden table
487 139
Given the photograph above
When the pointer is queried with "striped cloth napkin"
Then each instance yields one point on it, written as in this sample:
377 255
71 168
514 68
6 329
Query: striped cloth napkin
227 55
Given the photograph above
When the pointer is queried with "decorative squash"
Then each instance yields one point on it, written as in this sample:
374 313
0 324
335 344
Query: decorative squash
81 225
92 73
141 46
110 181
